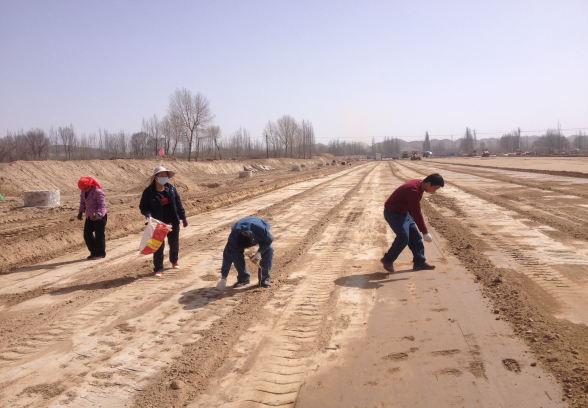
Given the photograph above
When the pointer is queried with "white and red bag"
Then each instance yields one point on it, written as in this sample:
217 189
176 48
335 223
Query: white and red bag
153 236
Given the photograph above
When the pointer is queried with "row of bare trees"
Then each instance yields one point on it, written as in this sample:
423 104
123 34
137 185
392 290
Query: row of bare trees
186 131
293 138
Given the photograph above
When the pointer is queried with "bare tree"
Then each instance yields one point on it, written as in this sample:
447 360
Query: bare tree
427 142
68 139
37 143
237 141
270 133
193 111
307 141
139 143
152 128
214 134
7 148
287 129
467 143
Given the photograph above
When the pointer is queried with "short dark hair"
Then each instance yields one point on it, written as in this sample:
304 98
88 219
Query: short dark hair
435 179
244 240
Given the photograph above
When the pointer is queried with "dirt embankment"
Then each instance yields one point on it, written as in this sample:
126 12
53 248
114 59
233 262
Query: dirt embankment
33 235
558 344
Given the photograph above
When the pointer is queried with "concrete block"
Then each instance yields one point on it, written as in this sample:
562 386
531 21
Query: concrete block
41 198
245 174
295 167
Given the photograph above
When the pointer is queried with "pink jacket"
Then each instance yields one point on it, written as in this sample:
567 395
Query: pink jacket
93 203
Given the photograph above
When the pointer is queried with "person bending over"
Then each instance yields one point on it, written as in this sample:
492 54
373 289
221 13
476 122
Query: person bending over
245 233
403 213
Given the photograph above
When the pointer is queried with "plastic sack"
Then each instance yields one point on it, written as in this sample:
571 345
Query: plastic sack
153 236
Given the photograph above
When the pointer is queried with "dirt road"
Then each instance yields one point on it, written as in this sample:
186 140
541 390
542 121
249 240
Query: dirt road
499 323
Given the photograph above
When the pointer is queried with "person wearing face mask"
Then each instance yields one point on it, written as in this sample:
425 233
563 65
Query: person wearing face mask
92 203
160 200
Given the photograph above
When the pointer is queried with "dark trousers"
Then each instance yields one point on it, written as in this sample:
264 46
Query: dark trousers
407 233
173 239
265 264
94 236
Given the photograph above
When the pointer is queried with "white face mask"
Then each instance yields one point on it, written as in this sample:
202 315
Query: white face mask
162 180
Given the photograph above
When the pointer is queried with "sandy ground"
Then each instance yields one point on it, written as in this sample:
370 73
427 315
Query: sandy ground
554 165
501 322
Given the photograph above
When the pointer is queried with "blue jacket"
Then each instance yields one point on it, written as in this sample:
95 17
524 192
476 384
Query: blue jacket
261 236
151 203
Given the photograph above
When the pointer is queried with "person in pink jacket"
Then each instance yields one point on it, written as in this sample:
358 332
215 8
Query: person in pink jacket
92 203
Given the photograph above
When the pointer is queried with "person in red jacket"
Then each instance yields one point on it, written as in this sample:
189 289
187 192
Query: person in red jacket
403 213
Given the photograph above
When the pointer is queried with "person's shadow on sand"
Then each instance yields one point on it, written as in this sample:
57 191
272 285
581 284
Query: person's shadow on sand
104 284
45 266
370 280
201 297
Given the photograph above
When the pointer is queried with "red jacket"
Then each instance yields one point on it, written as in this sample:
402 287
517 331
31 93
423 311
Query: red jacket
407 199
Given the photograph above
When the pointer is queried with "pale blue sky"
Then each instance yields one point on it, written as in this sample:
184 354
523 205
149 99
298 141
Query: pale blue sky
356 69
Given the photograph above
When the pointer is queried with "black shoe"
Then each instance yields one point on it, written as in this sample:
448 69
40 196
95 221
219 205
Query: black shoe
265 283
389 266
423 267
90 257
241 284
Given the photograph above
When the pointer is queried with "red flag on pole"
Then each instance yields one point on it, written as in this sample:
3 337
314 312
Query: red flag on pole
161 151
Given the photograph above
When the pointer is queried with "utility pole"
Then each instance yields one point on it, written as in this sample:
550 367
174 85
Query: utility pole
266 146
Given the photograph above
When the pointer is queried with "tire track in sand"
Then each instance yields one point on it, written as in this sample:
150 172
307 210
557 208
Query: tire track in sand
113 336
273 358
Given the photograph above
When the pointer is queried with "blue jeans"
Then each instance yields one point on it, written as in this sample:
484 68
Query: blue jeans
407 233
267 259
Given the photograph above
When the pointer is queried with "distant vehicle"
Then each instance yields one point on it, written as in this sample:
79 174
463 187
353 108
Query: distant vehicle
405 154
378 156
415 155
486 153
427 154
395 158
472 153
451 154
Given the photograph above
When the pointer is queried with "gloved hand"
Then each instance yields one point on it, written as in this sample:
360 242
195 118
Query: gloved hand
256 258
80 216
221 284
427 237
147 216
96 217
185 222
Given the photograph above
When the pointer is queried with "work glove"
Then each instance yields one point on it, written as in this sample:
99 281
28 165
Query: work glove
221 284
147 216
185 222
427 237
255 258
80 216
